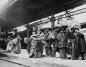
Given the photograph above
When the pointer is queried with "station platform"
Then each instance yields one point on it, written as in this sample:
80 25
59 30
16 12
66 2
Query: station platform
24 60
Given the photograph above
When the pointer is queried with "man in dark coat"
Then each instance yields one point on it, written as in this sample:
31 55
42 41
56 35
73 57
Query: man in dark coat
28 43
82 45
79 47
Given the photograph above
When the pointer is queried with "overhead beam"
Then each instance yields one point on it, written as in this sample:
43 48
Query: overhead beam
46 20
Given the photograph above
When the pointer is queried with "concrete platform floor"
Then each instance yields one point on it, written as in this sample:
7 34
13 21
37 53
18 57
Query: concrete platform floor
24 60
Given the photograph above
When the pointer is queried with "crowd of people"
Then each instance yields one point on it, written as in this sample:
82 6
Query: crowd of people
10 44
68 43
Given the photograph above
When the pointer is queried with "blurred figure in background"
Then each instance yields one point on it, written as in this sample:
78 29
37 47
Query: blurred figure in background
18 45
9 46
34 41
27 41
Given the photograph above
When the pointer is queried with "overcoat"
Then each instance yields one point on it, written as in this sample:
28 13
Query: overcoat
82 42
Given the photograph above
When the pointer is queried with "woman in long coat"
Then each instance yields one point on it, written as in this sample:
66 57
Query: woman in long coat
9 45
18 45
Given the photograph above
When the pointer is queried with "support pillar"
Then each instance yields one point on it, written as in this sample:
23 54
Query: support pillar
0 29
28 29
52 19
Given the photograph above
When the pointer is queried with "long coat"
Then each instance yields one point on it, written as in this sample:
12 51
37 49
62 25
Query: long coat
9 44
82 42
18 45
28 42
75 47
78 45
62 40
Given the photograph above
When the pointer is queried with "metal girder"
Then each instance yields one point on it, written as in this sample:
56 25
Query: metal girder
72 13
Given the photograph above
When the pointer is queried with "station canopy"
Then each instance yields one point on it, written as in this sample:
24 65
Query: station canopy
14 13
